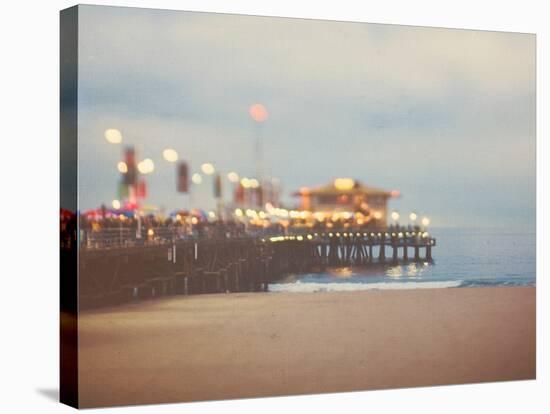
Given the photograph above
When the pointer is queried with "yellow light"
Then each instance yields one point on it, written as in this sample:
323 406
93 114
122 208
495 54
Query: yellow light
194 220
413 216
395 216
254 183
208 168
178 217
122 167
245 182
319 216
309 237
113 136
146 166
344 184
300 238
377 215
150 232
238 212
233 177
170 155
196 178
116 204
425 221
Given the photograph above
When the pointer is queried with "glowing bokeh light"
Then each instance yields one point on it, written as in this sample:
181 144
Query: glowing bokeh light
122 167
395 216
116 204
245 182
170 155
425 221
146 166
233 177
344 184
258 113
208 168
196 178
113 136
413 216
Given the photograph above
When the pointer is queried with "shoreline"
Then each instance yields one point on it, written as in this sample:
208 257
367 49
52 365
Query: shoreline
242 345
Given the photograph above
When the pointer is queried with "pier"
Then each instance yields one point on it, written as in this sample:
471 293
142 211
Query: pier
115 270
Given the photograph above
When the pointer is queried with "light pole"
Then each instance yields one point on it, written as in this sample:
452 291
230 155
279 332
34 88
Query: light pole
259 114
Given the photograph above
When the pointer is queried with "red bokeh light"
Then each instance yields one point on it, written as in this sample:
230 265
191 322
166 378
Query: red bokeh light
258 112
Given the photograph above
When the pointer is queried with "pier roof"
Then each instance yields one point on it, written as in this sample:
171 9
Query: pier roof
344 186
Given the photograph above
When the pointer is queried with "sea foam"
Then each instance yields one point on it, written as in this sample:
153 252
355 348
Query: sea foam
346 287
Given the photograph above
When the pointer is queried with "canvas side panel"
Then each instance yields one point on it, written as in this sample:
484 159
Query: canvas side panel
69 206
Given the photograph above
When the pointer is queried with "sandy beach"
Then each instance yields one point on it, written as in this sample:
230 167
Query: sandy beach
264 344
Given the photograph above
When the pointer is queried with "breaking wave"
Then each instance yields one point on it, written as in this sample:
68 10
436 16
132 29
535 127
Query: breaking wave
343 287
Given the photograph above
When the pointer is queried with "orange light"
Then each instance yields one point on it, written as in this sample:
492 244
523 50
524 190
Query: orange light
258 113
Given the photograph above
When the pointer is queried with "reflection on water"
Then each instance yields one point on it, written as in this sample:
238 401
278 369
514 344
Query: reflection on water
408 270
341 272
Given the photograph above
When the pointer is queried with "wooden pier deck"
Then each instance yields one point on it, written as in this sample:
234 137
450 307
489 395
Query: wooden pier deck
121 273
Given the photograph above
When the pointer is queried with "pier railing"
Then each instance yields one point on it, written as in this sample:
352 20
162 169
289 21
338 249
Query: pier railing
130 237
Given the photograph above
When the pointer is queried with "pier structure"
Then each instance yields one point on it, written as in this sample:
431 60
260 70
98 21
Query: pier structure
121 271
347 197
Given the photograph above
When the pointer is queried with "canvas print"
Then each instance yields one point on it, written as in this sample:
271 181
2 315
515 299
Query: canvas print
257 206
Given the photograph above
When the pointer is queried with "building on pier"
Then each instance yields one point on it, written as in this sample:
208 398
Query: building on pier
346 197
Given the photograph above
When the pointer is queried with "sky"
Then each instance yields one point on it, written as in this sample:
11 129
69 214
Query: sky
445 116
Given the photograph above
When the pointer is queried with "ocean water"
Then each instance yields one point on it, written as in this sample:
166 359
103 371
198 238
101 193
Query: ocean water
462 258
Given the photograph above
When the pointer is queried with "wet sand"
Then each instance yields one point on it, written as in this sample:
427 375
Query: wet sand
265 344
